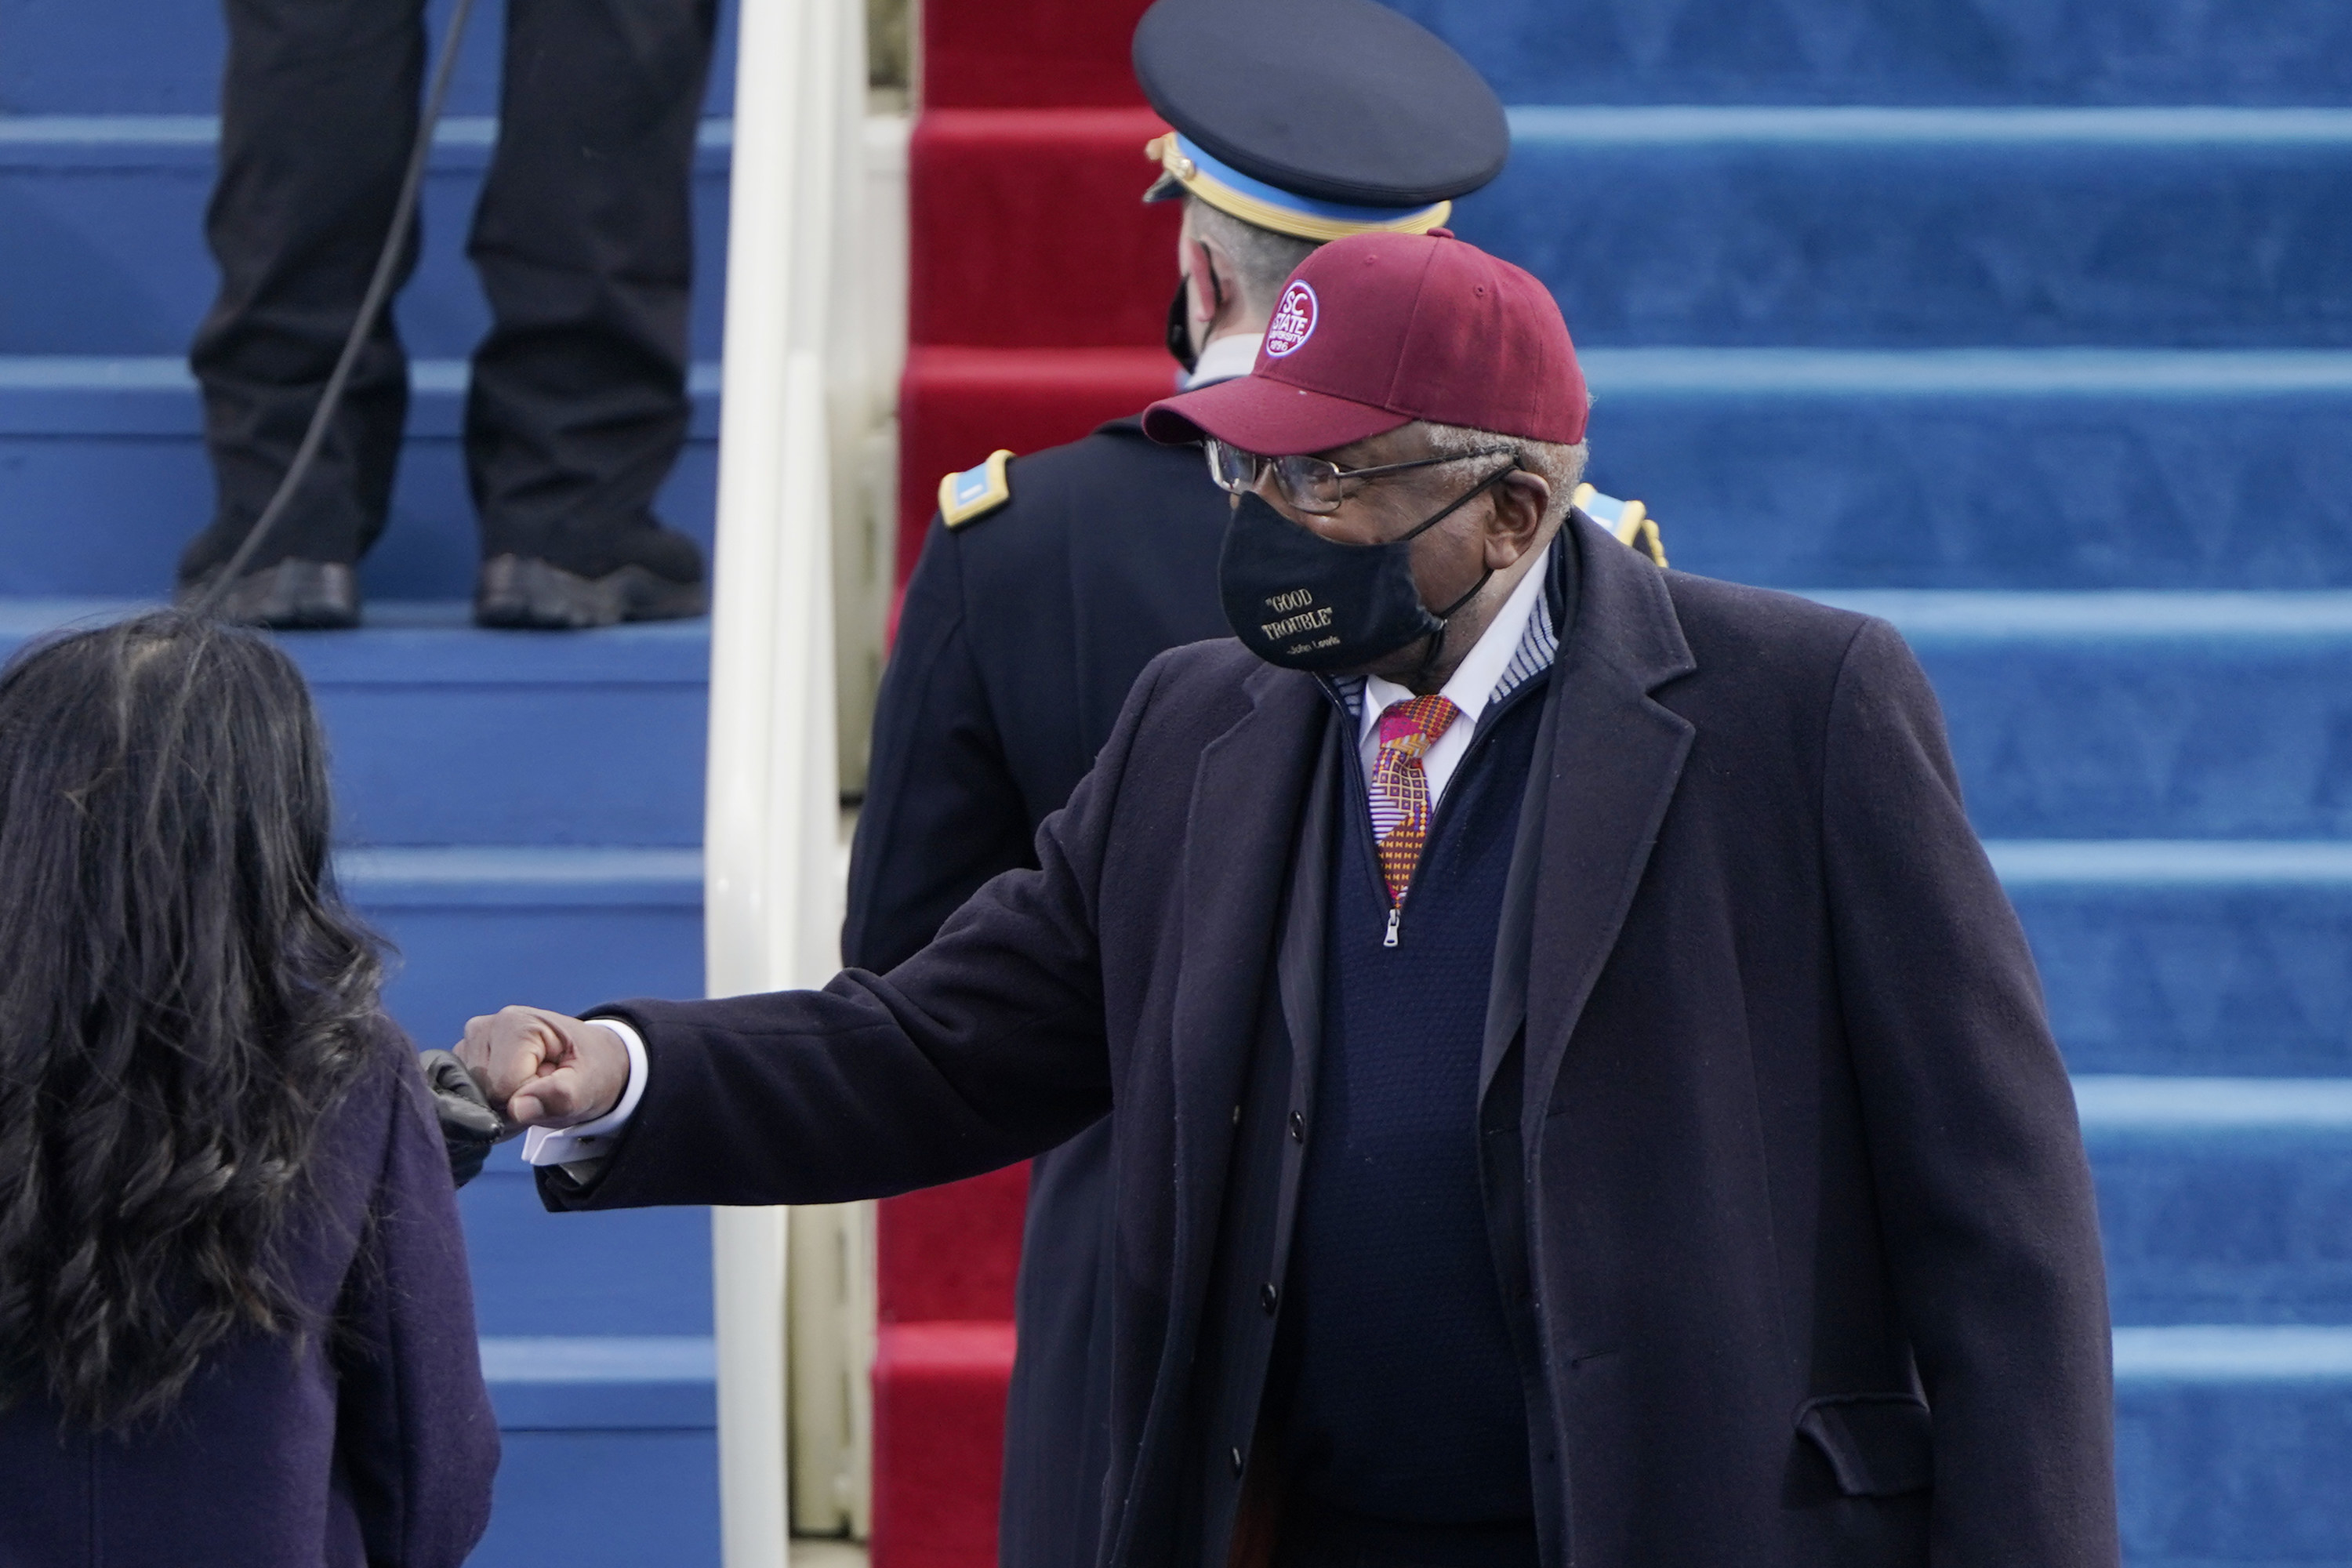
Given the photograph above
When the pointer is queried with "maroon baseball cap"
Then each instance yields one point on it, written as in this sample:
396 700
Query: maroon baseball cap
1377 330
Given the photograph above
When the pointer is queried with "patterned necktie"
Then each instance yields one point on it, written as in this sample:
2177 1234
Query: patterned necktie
1399 787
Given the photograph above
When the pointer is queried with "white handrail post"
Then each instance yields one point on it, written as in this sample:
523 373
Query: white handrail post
771 892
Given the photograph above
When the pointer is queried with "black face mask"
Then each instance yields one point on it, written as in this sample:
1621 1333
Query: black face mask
1304 602
1179 330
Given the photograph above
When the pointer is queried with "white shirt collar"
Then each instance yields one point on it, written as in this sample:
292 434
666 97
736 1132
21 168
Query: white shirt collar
1473 683
1223 359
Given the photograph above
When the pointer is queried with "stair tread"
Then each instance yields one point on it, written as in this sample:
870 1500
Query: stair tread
2193 862
2153 1102
155 394
2185 127
409 642
34 140
599 1358
604 1384
2000 615
1992 371
2253 1353
521 876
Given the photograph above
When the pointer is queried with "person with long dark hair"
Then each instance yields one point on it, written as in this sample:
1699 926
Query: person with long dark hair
235 1322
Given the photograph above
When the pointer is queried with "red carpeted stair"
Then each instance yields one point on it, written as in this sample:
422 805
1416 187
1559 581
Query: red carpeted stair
1038 289
1038 280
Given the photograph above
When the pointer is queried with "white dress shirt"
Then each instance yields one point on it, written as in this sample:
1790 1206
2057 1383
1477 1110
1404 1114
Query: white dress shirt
1222 359
591 1140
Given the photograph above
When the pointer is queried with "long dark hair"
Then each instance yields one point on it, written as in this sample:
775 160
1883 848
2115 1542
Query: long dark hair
182 999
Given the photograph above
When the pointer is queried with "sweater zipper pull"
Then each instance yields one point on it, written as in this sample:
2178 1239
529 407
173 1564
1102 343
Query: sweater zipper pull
1396 913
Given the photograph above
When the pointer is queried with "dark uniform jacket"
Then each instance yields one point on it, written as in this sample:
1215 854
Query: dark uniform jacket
1812 1266
1018 639
367 1441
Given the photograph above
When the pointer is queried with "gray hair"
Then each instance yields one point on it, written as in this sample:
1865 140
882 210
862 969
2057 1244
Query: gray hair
1561 465
1263 259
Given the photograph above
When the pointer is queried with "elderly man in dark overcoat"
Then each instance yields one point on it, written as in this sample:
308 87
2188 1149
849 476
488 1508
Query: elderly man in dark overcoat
1578 1092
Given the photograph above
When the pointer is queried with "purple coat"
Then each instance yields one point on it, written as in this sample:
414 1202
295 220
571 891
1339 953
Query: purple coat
369 1446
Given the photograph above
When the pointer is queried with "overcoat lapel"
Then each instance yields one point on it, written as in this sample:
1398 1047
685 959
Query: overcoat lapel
1616 758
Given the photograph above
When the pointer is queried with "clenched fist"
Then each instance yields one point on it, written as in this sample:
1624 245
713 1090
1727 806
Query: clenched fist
544 1070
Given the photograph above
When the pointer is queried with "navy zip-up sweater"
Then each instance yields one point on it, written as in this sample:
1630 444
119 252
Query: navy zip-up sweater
1396 1352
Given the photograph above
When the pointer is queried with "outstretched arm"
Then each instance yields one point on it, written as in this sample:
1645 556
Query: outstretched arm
983 1049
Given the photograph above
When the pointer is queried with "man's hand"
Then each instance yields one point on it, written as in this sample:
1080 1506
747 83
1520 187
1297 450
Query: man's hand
540 1068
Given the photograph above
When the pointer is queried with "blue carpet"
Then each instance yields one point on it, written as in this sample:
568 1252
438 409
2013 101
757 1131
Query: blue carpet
133 57
2073 469
103 478
2178 956
443 734
2231 1447
2140 715
104 217
1901 229
1901 51
2222 1200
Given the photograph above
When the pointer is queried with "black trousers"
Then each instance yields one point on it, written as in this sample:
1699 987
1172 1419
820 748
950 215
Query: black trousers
582 239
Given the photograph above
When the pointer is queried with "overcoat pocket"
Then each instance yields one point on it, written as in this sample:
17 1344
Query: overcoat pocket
1878 1445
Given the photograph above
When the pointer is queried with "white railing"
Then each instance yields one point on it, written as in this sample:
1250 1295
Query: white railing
800 401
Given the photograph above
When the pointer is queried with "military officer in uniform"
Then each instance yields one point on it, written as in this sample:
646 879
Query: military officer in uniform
1048 581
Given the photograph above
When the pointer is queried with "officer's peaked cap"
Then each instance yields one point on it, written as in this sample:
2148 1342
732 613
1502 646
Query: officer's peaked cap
1346 104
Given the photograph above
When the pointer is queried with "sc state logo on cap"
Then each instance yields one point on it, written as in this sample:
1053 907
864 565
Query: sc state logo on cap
1294 322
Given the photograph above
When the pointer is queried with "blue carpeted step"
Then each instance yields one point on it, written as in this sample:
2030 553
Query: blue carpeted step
477 929
106 255
2232 1445
1899 228
1855 227
2140 715
131 57
443 734
1901 51
620 1382
1985 468
2217 957
2098 716
2223 1199
122 57
639 1271
610 1450
103 478
2025 469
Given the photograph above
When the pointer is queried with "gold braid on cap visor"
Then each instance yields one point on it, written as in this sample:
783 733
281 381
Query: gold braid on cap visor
1198 182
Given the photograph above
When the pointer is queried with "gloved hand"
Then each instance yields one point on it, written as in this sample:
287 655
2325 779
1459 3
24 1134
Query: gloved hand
469 1125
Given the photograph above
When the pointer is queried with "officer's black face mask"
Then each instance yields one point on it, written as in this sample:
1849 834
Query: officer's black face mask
1180 327
1304 602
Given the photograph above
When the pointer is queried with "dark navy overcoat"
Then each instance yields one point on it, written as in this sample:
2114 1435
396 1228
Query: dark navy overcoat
1806 1212
366 1443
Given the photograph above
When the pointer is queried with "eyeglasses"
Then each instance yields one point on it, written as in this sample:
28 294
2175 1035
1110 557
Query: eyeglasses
1311 484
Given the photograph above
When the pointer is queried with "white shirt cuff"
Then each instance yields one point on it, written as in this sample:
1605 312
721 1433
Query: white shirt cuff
592 1140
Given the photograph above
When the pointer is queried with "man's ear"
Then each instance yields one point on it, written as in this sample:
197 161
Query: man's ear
1215 286
1516 522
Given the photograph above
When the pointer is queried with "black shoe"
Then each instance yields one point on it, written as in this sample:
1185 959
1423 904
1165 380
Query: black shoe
293 595
522 591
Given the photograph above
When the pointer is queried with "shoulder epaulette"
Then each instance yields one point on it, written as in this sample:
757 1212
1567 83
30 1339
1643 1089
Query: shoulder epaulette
1635 529
975 492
